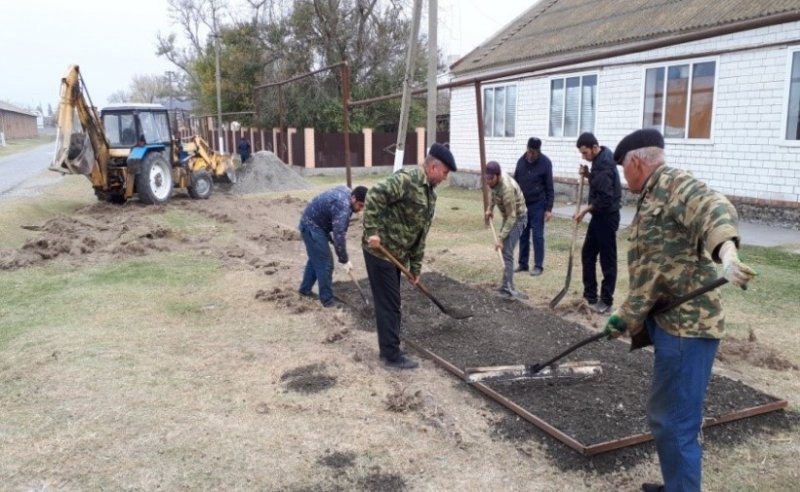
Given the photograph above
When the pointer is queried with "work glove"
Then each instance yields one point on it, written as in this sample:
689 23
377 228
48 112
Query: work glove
347 267
615 326
734 270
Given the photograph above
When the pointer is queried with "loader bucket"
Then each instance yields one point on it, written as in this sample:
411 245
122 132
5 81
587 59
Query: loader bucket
225 171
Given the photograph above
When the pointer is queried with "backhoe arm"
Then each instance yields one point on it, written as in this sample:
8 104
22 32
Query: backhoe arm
80 149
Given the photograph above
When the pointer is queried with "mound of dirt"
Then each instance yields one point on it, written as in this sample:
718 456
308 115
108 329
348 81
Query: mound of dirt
104 231
754 353
264 173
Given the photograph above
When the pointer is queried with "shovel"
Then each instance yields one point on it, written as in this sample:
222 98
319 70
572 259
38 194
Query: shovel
450 312
544 370
494 234
363 297
563 292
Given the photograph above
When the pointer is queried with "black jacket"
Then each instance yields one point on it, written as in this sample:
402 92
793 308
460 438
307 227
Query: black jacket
536 180
605 189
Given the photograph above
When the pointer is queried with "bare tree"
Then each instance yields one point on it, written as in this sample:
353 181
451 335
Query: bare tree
142 89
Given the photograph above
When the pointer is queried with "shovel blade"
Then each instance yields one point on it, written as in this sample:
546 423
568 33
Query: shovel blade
497 374
459 314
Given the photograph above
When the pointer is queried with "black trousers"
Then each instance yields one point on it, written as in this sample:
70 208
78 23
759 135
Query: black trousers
384 280
601 239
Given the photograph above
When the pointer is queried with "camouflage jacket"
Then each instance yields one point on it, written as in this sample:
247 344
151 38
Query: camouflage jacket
508 198
679 224
400 209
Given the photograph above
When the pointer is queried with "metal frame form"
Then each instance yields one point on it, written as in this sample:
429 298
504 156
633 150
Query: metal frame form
566 438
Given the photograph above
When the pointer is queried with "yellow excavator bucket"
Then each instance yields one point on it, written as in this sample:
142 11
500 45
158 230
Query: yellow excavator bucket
202 157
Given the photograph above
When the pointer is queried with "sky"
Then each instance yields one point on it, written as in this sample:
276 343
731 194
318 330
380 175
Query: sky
114 40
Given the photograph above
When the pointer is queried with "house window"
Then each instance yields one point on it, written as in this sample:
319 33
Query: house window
573 105
793 111
499 111
679 99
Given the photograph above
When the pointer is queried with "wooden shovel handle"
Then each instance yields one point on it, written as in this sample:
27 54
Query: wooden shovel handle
577 209
496 241
394 260
409 275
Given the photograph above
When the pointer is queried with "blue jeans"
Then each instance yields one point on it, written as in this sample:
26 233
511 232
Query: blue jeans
319 267
681 373
535 225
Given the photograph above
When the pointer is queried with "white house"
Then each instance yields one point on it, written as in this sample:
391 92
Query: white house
720 79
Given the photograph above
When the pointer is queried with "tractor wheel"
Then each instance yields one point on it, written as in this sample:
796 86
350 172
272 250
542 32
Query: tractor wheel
200 185
154 181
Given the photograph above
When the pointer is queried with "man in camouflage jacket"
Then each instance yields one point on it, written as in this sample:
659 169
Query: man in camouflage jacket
681 229
397 215
508 198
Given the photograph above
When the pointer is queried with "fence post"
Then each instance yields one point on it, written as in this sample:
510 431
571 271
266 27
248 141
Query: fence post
276 141
289 133
367 146
420 145
308 140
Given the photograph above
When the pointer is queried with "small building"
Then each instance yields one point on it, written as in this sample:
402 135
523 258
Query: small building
16 122
720 79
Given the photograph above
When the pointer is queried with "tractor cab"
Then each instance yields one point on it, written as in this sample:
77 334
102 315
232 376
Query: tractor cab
136 125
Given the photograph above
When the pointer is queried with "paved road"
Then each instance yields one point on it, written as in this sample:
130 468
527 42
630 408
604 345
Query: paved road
752 234
16 169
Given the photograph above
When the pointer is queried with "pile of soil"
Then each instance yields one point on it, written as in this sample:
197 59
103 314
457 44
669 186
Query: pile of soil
104 231
754 353
265 172
592 410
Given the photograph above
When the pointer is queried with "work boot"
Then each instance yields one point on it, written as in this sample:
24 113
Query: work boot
506 295
652 487
521 269
308 294
520 295
537 271
383 358
600 307
334 305
401 362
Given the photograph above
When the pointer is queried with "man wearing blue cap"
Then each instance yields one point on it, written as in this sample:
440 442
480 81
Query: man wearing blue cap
397 215
681 229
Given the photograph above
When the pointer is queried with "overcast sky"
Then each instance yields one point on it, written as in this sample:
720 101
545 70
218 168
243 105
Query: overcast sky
114 40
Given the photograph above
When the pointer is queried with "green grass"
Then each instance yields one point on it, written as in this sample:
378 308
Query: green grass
57 295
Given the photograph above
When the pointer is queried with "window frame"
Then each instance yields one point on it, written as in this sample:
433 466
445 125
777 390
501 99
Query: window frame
783 141
490 127
666 65
564 78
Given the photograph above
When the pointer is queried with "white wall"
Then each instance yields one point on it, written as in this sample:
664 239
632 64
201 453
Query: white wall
746 156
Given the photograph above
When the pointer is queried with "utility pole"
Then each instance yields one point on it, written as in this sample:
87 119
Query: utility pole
219 96
433 63
405 104
170 74
171 109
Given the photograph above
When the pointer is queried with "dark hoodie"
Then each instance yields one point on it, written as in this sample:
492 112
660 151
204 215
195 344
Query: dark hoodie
605 189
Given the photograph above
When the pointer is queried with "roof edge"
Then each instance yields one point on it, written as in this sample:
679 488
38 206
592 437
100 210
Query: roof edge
639 46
